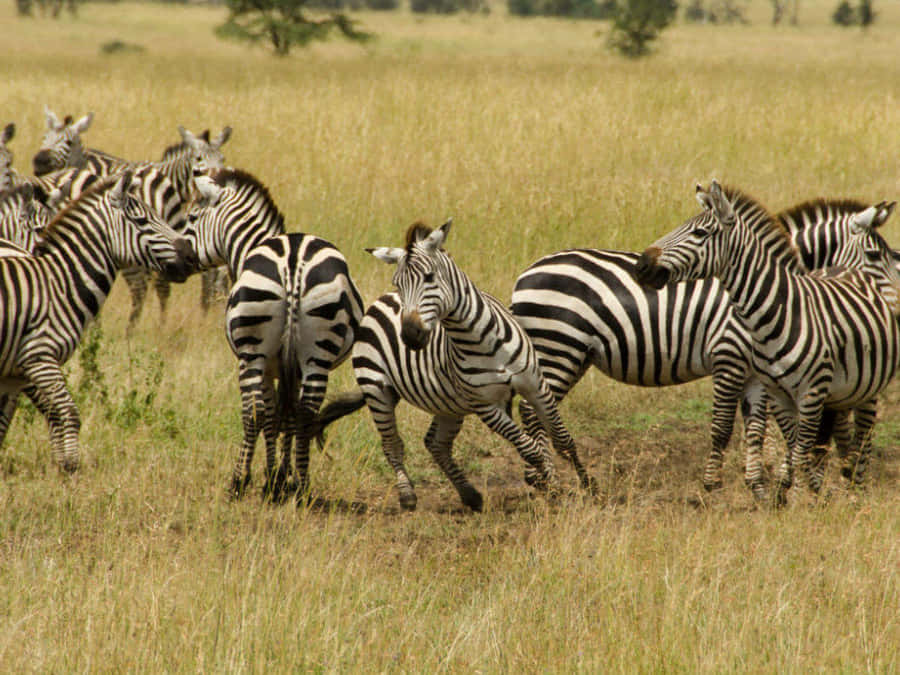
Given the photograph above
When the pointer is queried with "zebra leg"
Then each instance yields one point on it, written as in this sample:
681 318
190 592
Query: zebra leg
8 405
136 278
810 417
439 441
273 488
786 417
163 292
544 405
211 282
498 421
382 402
754 410
313 386
726 394
534 429
50 390
835 425
854 467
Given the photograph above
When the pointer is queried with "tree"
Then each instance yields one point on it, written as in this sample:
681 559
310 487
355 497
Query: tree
283 23
636 23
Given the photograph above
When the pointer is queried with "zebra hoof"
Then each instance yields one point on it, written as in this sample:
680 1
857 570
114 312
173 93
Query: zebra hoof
408 501
471 498
591 486
781 495
238 487
70 466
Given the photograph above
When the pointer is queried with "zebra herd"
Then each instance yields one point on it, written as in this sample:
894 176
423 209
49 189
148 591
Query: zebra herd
793 314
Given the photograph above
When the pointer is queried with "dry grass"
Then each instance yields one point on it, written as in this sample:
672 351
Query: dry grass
533 138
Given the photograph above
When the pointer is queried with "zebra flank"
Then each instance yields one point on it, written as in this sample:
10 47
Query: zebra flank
50 297
292 315
451 350
817 341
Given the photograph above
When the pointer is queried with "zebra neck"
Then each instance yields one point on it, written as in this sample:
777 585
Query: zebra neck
472 320
179 170
757 281
235 246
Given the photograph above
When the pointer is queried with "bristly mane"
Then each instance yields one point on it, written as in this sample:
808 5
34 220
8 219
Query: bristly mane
177 148
237 180
811 207
766 222
86 198
416 232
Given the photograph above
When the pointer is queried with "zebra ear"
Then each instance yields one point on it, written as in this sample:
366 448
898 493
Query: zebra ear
721 207
8 132
222 138
885 209
187 136
84 123
703 198
53 121
865 220
391 256
119 190
58 195
436 239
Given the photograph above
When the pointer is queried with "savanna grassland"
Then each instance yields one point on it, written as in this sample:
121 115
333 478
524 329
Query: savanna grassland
534 138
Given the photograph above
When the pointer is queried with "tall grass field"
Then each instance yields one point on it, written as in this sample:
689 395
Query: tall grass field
534 138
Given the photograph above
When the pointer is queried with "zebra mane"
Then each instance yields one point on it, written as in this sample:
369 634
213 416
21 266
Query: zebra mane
813 207
238 179
73 208
177 148
765 226
416 232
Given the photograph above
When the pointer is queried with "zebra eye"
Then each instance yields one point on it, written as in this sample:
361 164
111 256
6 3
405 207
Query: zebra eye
873 254
700 232
140 220
429 277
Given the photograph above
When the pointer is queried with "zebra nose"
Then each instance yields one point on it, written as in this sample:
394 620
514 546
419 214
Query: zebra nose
648 272
43 163
413 331
187 253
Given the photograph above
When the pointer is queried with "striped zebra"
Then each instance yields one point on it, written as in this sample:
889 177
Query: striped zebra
168 184
584 307
451 350
292 315
51 296
25 211
820 342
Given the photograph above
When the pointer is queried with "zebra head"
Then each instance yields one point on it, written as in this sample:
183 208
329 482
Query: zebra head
869 252
62 145
144 238
6 157
694 250
205 154
24 213
423 281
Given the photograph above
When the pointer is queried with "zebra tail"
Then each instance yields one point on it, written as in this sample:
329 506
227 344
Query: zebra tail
288 402
343 405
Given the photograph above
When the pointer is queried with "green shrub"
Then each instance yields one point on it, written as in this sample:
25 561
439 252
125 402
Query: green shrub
636 23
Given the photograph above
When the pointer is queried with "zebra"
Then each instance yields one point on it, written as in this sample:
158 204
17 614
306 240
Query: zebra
292 314
809 332
452 350
51 296
25 211
583 307
63 147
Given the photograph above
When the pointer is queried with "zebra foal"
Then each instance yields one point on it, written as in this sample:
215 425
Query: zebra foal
49 298
451 350
292 315
825 341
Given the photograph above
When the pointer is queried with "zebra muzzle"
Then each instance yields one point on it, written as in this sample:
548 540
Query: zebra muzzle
648 272
185 265
43 163
413 331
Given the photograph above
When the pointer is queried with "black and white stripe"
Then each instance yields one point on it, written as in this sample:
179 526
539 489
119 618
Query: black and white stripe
584 307
292 315
48 298
167 185
451 350
819 341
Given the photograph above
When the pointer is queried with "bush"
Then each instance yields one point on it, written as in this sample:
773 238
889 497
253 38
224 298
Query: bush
844 15
447 6
636 23
576 9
